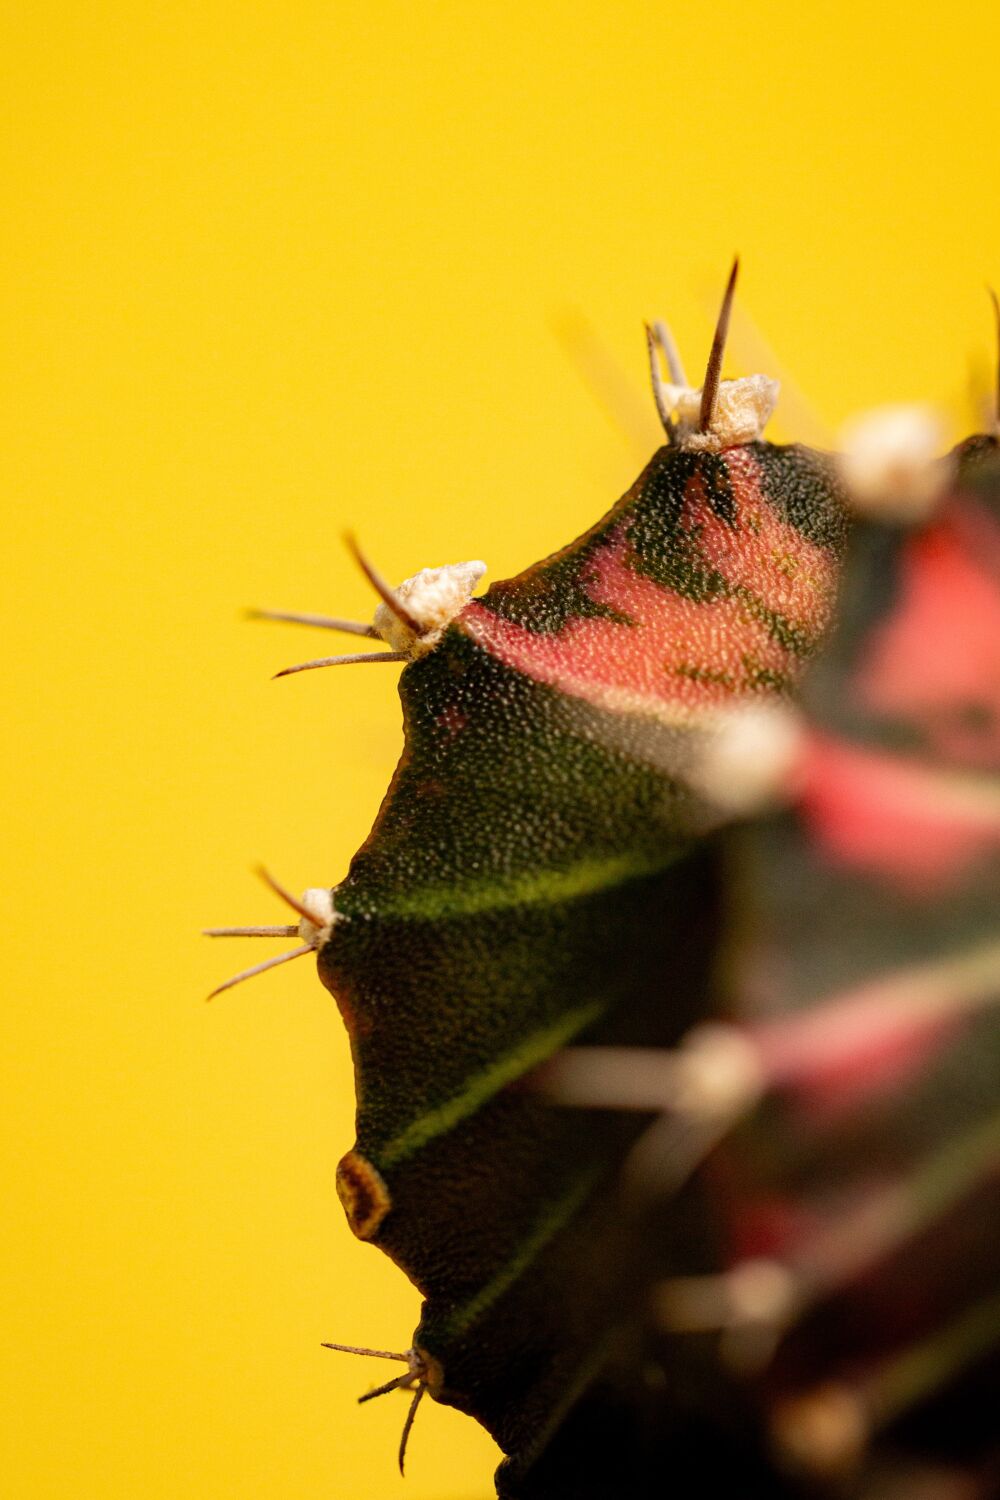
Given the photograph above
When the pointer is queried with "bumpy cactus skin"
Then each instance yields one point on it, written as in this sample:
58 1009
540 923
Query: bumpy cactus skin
671 970
531 881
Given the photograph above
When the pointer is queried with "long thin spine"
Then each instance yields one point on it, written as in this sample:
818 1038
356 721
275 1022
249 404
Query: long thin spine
342 661
996 316
408 1424
269 963
656 379
279 890
369 1353
386 593
848 1028
322 622
667 342
280 931
399 1383
713 372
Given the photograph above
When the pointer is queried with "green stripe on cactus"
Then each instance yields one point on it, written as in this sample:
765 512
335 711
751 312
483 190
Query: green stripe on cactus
483 1085
543 887
549 1223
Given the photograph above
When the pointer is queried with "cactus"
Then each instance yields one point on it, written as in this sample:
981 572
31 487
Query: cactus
868 969
839 1333
672 1004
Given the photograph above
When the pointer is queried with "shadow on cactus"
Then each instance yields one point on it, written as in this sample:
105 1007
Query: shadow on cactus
670 969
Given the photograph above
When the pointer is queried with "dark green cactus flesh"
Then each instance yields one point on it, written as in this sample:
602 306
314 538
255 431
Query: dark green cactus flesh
783 1279
528 884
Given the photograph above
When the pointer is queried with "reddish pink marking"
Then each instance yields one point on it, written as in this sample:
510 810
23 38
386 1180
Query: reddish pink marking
763 553
888 1065
849 1048
599 660
897 818
864 1039
977 531
940 649
679 652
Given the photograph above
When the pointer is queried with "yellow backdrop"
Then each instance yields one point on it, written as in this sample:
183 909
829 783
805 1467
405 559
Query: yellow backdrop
271 269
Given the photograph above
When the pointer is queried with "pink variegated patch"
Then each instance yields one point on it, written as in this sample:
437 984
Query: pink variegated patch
762 553
918 826
679 656
936 659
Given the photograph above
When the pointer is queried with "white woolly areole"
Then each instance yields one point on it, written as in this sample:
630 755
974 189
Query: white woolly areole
889 462
319 901
743 409
761 1291
434 596
748 758
720 1073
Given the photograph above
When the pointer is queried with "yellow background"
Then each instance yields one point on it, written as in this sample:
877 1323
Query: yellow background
270 269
